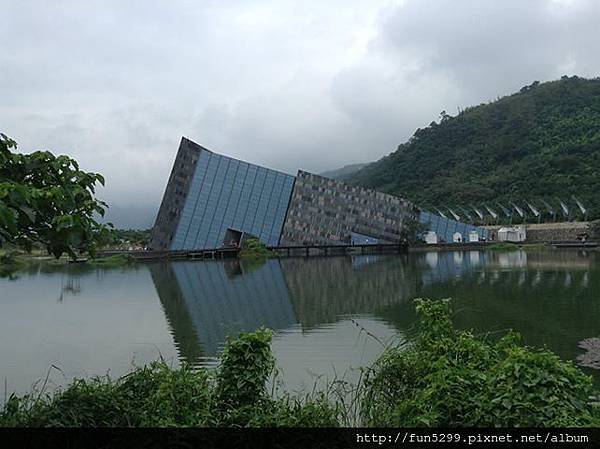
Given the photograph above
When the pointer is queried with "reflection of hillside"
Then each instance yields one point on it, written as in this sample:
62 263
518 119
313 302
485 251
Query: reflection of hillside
555 308
212 300
322 289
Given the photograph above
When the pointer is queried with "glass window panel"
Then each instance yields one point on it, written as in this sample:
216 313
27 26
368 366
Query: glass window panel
208 187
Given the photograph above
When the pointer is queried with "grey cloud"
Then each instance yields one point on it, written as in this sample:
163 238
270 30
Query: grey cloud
488 47
312 85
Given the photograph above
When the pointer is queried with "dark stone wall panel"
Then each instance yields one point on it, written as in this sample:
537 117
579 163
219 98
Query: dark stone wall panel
175 195
325 211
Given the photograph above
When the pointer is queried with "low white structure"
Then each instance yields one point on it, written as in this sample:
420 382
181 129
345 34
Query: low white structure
431 238
473 236
457 237
512 234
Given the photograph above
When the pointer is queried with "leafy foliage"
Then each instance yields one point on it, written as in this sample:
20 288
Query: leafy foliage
48 200
154 395
252 248
137 237
246 364
540 143
413 229
451 378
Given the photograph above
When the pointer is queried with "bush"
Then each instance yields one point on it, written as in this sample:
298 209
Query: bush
253 248
154 395
310 411
246 364
451 378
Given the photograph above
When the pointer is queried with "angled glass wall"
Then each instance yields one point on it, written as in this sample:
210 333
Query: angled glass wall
226 193
445 227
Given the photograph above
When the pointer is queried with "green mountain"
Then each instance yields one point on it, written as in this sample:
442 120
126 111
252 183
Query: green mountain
541 143
344 171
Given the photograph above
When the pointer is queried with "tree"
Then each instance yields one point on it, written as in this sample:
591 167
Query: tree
413 229
535 145
47 200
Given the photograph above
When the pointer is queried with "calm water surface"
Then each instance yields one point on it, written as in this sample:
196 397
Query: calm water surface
331 315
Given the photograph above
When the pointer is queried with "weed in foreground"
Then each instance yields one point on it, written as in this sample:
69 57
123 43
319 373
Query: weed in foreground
444 377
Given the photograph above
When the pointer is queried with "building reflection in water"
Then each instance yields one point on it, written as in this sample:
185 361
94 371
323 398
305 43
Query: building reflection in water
325 289
206 301
550 298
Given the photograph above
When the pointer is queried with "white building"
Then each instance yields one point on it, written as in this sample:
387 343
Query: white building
431 238
512 234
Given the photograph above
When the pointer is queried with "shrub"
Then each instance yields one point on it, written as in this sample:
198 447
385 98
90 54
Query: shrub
253 248
153 395
451 378
535 388
310 411
241 379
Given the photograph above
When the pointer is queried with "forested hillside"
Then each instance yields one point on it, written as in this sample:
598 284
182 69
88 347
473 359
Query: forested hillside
343 172
540 143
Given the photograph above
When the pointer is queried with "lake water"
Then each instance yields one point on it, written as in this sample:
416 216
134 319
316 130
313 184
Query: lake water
331 315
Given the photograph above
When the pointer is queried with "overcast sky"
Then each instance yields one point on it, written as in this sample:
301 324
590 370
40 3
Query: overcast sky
287 84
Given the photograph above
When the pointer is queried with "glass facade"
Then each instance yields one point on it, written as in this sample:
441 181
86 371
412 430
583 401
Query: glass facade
226 193
361 239
445 228
212 200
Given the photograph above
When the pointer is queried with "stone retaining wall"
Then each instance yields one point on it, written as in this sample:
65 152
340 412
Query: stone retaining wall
548 232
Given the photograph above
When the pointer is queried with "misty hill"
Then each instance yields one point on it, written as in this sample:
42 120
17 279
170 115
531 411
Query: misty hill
344 171
540 143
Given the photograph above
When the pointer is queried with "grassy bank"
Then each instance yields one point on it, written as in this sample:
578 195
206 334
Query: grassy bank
117 260
503 246
443 378
15 261
508 246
